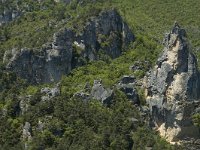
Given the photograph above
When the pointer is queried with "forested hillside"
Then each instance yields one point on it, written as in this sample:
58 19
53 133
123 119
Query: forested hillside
73 73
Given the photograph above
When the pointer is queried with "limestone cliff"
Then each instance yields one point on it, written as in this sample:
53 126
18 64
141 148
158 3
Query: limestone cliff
173 88
107 34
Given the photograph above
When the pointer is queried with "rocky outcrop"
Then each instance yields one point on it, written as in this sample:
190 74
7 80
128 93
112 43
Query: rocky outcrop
127 85
49 93
173 88
101 93
46 94
10 10
26 134
27 131
97 92
24 103
105 95
8 15
106 34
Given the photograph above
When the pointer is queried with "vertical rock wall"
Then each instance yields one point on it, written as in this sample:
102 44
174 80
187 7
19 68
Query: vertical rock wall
105 34
173 88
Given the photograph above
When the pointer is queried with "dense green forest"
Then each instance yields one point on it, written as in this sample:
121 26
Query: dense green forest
70 123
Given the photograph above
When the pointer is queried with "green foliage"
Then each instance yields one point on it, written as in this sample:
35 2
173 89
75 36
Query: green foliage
78 50
71 123
10 133
86 125
10 85
196 119
141 94
31 90
111 71
144 138
44 18
41 21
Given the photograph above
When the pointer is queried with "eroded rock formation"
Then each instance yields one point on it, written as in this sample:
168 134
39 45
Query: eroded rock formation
173 88
106 34
98 92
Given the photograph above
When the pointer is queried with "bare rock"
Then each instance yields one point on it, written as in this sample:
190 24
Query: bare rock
24 103
49 93
27 131
172 87
99 92
105 34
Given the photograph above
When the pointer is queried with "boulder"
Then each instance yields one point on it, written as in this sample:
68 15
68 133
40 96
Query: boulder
49 93
173 86
99 92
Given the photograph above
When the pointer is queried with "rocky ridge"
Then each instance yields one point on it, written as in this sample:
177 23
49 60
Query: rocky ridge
99 92
106 34
173 88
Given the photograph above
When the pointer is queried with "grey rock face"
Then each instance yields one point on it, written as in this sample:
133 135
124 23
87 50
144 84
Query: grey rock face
27 131
49 93
24 104
127 85
107 34
8 15
46 65
173 86
26 134
99 92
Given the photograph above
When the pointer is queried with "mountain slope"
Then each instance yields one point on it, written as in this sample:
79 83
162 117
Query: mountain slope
90 108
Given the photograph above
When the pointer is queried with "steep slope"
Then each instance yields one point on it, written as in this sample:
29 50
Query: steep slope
173 88
106 34
70 115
